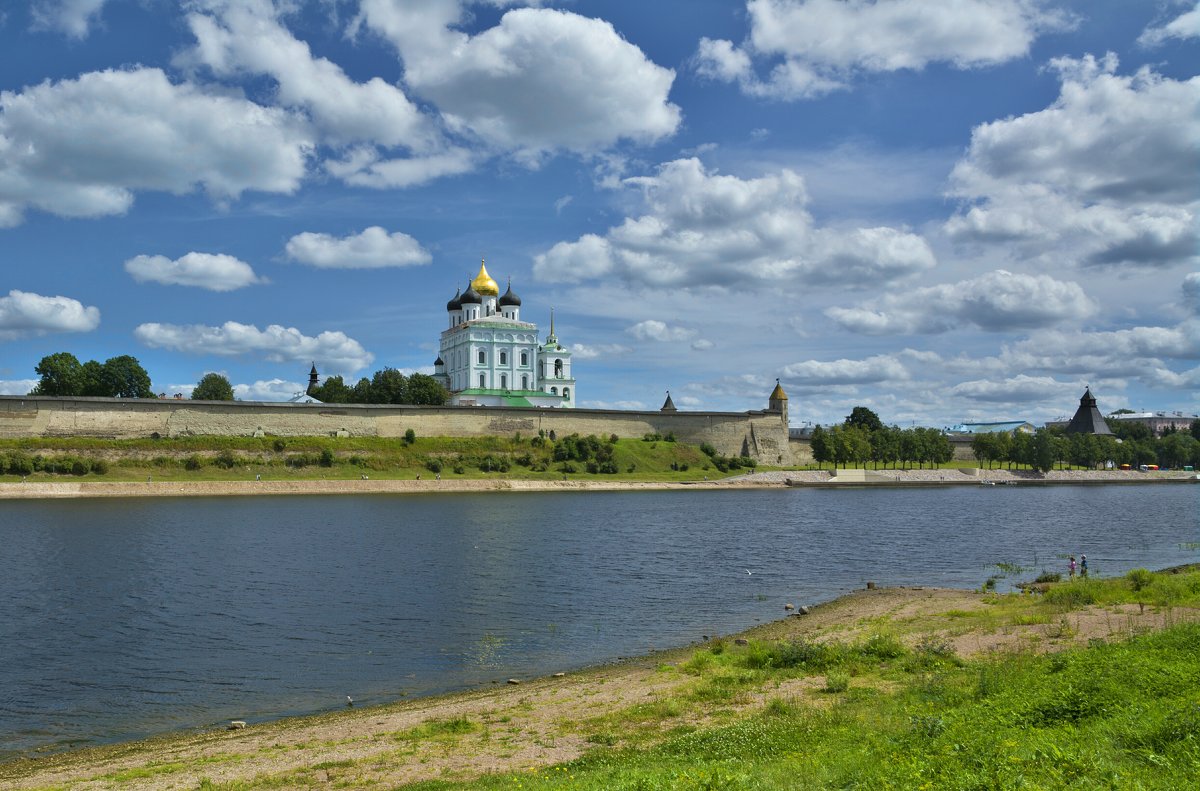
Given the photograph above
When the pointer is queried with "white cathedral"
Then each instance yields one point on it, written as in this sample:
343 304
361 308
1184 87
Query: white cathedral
489 357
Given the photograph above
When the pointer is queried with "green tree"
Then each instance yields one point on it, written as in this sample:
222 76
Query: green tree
885 446
93 381
819 441
1043 450
333 391
61 375
388 386
1020 450
361 392
213 387
1196 429
425 390
124 377
1177 449
863 418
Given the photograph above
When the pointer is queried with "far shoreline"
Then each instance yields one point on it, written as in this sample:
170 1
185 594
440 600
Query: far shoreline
777 479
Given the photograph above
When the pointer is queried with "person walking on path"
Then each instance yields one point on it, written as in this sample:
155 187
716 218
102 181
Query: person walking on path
1083 565
1071 567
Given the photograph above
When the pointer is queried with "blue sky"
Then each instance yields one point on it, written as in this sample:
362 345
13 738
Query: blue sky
944 210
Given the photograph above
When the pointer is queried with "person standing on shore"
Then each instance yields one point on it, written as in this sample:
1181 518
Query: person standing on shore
1071 567
1083 565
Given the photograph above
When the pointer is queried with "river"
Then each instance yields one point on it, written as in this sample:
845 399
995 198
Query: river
130 617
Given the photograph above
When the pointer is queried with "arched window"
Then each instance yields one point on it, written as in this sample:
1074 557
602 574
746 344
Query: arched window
503 381
504 358
524 381
553 391
483 380
557 368
567 393
524 358
482 357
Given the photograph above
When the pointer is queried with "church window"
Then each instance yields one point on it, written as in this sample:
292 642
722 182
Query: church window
483 380
558 368
567 393
503 381
504 358
553 391
482 357
524 381
524 358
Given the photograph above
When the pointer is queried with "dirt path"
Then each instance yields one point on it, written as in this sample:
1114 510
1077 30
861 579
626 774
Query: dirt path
537 723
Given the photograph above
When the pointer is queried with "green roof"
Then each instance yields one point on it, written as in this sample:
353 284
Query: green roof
509 397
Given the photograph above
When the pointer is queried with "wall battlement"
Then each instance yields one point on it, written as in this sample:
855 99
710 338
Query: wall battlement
761 435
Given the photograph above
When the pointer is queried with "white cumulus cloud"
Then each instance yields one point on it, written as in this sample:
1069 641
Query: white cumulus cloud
17 386
1104 176
655 330
998 301
333 350
872 370
373 248
80 148
213 271
1184 26
702 228
818 46
539 81
73 17
23 314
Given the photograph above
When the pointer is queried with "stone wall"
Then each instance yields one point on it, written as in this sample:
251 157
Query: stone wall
762 435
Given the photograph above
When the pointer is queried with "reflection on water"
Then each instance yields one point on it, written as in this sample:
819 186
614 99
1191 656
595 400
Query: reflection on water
120 618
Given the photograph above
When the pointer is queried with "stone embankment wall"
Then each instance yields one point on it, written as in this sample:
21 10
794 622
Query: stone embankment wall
761 435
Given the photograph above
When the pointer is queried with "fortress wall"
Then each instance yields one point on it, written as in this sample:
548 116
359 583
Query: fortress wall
761 435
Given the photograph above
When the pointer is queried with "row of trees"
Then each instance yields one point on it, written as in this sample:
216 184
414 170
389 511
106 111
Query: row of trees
62 374
887 445
388 386
1048 447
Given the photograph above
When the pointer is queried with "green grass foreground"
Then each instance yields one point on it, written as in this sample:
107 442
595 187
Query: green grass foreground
888 705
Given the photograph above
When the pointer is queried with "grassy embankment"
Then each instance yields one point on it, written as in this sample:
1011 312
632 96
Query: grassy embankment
872 698
892 714
210 458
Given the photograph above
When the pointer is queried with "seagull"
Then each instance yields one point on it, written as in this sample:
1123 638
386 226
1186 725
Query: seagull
749 572
349 701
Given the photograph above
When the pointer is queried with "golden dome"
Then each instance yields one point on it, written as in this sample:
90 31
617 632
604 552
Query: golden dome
483 283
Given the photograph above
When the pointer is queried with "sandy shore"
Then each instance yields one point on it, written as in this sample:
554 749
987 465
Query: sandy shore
517 727
773 479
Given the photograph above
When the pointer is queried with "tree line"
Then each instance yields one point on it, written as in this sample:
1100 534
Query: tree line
388 386
1131 444
62 374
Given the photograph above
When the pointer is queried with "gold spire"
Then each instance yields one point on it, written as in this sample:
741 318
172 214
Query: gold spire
483 283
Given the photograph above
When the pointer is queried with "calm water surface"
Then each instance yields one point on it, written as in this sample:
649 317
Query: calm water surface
122 618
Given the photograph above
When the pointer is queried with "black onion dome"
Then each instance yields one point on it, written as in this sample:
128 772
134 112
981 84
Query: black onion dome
470 297
510 298
456 303
439 361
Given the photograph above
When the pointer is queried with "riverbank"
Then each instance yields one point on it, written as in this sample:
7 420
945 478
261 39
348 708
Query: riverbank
528 729
427 485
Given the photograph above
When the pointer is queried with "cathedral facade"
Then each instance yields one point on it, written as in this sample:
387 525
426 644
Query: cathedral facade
488 356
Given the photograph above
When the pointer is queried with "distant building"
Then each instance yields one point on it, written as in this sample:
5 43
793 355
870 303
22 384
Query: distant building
1158 422
1088 419
488 356
1003 426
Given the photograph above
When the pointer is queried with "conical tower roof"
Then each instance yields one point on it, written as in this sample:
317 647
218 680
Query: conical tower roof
668 405
1088 419
777 394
